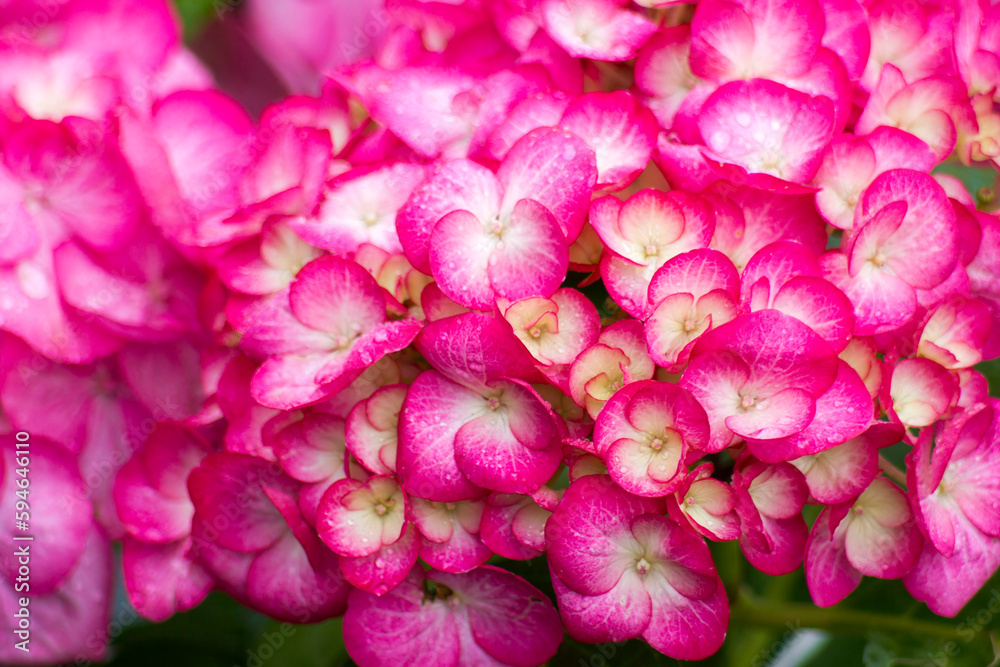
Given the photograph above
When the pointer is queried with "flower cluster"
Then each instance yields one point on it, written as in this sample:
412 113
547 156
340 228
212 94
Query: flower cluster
330 361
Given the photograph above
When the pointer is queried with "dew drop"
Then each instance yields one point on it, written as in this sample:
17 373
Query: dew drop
743 119
381 589
719 140
381 336
380 563
33 281
622 469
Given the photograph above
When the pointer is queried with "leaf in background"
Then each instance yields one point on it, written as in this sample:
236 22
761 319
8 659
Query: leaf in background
972 177
214 634
196 14
316 645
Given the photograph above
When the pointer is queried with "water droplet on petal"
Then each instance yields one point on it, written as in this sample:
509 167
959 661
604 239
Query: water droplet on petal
379 563
719 140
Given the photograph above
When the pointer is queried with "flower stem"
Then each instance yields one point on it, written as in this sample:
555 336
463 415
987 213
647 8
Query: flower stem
894 473
752 611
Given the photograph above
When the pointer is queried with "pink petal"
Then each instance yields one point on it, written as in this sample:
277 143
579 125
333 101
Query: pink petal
620 130
358 211
473 348
497 527
57 509
588 533
779 415
683 628
371 430
948 584
921 390
542 110
460 185
767 128
829 575
771 38
397 628
905 250
283 583
434 410
787 541
748 219
337 296
715 380
510 449
531 239
383 570
72 622
163 579
230 503
461 249
840 473
202 133
796 356
884 540
348 520
843 411
598 29
510 619
98 199
882 302
460 550
696 272
555 168
604 617
820 305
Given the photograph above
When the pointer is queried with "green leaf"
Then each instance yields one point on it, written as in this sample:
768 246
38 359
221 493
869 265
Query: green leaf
316 645
213 634
973 177
196 14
